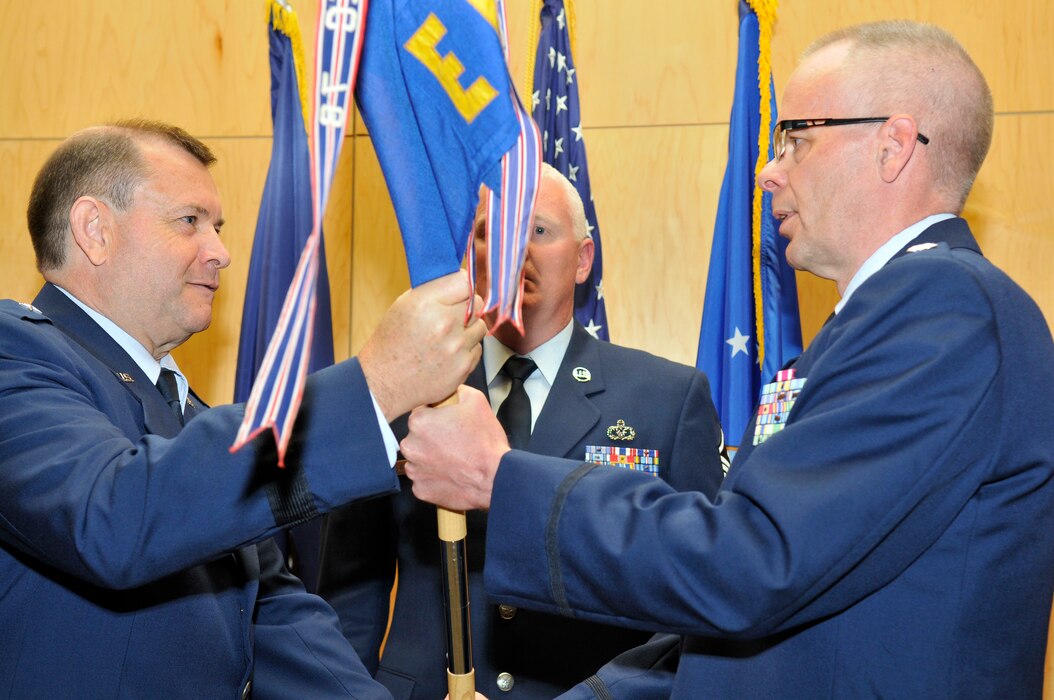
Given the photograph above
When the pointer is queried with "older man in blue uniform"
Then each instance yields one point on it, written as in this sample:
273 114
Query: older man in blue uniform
888 528
574 396
135 558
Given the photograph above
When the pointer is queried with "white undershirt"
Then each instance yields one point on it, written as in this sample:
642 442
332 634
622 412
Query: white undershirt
548 357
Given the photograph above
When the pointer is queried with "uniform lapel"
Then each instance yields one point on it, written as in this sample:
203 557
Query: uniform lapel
569 413
71 320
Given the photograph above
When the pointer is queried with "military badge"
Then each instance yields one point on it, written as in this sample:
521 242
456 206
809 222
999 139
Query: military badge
777 400
633 458
621 431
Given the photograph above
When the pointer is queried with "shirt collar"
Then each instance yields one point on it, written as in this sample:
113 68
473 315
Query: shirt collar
885 253
548 356
139 354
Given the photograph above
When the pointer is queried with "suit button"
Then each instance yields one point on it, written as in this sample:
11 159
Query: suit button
507 612
247 691
505 682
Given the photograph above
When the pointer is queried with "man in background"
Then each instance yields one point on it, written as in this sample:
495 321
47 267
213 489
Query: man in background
558 391
135 550
887 530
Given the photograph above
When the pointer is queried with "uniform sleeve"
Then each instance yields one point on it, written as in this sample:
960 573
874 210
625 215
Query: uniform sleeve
641 673
884 446
358 571
83 491
299 649
695 464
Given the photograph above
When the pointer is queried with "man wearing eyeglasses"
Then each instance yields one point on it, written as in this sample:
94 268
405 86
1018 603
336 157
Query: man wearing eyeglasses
891 532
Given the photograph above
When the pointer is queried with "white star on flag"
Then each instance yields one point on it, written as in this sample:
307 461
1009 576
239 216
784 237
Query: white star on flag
600 290
561 62
577 130
561 21
572 172
739 343
570 72
535 98
559 146
593 328
552 57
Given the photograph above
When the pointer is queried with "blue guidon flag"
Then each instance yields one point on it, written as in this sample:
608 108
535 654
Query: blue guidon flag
444 117
554 99
435 93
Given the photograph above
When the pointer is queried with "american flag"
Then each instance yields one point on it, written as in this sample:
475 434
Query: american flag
555 106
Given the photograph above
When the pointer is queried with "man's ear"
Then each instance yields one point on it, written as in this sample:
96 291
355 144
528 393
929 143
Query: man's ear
91 224
586 251
899 139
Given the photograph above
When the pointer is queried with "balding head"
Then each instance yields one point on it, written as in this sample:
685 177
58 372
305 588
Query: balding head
899 66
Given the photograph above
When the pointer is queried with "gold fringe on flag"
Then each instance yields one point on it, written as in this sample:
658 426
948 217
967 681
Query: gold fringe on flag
283 19
533 32
766 13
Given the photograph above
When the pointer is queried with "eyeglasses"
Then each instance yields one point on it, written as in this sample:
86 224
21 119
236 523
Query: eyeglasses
779 134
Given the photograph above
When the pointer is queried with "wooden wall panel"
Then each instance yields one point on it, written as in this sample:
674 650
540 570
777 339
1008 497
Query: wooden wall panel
200 64
656 227
379 264
672 63
1010 206
19 162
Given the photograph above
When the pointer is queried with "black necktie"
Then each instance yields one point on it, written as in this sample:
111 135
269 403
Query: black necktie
169 389
515 411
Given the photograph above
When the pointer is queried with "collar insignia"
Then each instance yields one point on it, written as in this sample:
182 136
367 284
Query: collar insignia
125 377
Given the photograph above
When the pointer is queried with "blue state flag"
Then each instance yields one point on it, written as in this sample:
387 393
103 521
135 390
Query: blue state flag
435 94
554 98
282 229
743 275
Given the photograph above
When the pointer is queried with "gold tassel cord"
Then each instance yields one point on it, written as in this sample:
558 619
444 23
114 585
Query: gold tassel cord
283 19
766 14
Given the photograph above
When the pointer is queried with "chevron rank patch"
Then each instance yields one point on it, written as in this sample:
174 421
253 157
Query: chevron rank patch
636 458
777 400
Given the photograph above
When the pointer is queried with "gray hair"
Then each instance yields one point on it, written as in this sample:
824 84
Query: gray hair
921 69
